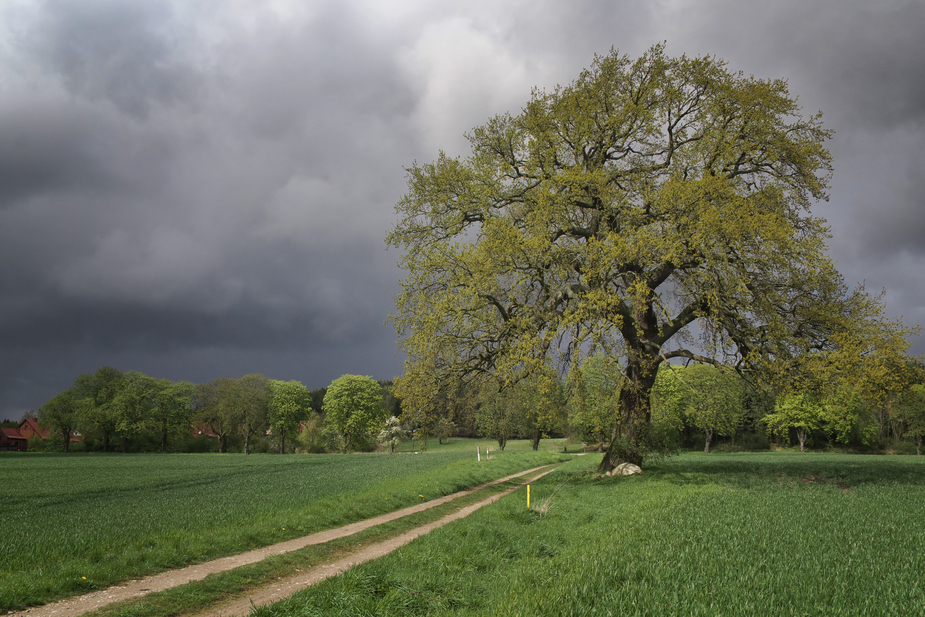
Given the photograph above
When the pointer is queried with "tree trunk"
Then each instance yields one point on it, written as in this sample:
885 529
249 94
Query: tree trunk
125 444
67 440
282 442
222 444
502 441
247 444
536 439
918 445
706 448
801 436
635 416
105 441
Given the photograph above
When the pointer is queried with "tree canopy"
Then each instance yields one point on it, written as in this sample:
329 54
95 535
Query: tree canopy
290 403
354 412
710 399
609 216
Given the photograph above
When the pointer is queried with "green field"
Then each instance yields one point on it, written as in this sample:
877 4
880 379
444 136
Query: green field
730 534
719 534
81 522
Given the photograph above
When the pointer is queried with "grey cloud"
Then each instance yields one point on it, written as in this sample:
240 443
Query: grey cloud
861 63
117 50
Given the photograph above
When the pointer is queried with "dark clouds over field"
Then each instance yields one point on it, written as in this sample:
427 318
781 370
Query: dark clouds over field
197 189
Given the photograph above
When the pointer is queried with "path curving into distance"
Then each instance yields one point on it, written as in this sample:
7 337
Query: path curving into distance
78 605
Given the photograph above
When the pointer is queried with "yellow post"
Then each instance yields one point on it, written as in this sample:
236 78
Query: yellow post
528 497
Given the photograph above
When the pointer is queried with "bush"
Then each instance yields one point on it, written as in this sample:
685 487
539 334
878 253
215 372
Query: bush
312 436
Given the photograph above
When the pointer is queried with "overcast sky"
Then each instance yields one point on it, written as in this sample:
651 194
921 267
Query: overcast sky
196 189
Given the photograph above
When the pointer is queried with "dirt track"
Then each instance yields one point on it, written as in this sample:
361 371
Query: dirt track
72 607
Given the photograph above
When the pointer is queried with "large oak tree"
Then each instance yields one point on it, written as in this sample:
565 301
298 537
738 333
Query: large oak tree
611 215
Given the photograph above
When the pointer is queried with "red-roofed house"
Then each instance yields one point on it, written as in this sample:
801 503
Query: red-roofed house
12 440
29 428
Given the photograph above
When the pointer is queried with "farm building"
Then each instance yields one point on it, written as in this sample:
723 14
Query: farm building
12 440
15 439
30 428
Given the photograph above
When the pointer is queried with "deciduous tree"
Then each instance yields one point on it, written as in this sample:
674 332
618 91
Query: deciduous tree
251 403
353 411
61 415
799 412
594 389
500 414
910 410
846 417
213 405
132 405
392 433
710 399
613 213
444 429
100 390
170 411
290 403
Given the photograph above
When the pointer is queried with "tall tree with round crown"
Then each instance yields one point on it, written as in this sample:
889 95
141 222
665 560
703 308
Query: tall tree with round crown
609 216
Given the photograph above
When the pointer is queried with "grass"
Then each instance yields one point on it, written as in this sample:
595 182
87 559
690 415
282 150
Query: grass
72 524
731 534
202 595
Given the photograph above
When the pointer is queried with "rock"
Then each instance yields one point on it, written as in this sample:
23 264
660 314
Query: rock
625 469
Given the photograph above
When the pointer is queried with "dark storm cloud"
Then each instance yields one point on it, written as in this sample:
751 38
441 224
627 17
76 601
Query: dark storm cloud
43 152
195 189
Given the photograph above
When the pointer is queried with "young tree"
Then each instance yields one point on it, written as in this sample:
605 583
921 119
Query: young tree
444 429
500 414
61 415
353 411
593 399
612 214
795 411
290 403
910 410
392 433
543 401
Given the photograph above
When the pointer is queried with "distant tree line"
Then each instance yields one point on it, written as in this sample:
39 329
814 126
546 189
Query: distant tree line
695 406
113 410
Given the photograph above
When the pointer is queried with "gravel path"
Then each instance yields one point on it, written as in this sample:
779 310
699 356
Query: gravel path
77 605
